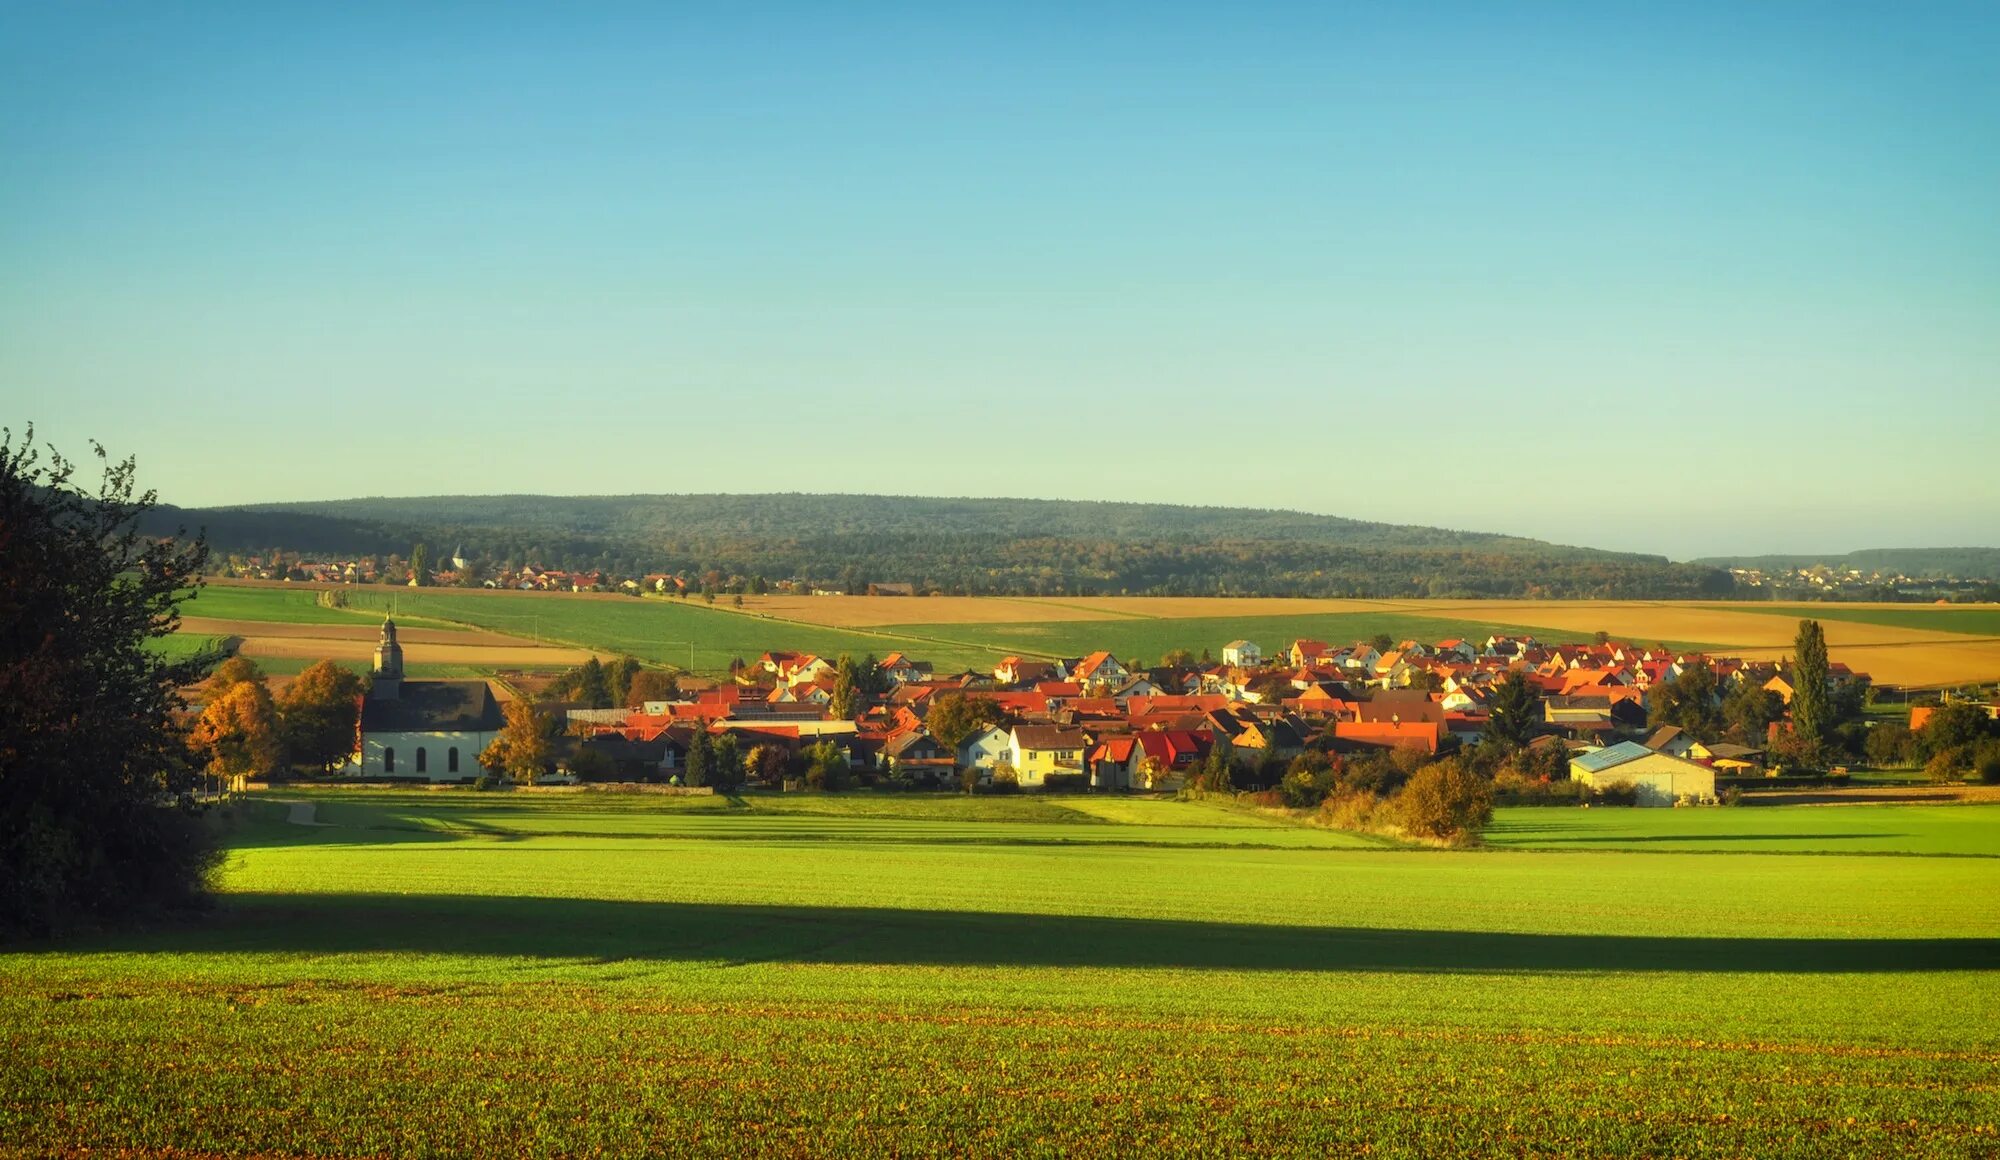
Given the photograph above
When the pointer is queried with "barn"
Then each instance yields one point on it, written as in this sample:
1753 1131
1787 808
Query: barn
1660 779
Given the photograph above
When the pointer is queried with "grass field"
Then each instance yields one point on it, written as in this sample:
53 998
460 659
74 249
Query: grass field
519 974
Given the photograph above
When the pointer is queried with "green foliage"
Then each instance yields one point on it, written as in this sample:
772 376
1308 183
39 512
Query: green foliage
1952 726
1514 710
92 751
1689 701
700 764
1445 801
826 767
727 763
1812 712
1748 710
1889 745
953 718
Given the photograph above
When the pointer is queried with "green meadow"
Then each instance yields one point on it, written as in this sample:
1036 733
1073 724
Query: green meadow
291 606
1976 620
527 974
1151 638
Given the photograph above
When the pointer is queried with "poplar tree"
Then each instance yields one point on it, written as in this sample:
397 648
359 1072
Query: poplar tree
1811 711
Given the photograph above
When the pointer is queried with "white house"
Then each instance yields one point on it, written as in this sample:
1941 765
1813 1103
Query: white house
1242 654
432 730
1658 778
984 749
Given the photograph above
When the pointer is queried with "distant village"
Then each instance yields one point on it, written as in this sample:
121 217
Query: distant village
1098 722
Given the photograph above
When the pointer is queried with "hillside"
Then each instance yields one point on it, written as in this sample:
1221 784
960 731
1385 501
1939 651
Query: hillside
977 545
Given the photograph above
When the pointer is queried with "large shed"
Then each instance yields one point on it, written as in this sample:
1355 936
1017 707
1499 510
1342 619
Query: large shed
1660 779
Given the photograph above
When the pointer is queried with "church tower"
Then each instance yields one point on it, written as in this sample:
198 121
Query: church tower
388 665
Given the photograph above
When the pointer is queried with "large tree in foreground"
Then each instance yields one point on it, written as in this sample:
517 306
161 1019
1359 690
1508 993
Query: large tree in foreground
95 770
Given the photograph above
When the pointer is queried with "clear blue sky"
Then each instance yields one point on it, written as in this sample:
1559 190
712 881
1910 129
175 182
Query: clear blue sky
1687 278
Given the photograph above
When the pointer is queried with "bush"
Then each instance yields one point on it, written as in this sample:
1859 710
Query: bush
1623 793
1445 800
1514 789
483 781
1986 763
1305 789
1733 796
1948 765
1888 745
1355 810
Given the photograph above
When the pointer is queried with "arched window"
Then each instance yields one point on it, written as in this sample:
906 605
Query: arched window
421 767
451 760
388 760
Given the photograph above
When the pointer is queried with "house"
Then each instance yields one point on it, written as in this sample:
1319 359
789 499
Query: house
985 749
1674 741
901 670
1110 762
425 730
1242 654
917 754
1038 752
1100 667
1306 652
1660 779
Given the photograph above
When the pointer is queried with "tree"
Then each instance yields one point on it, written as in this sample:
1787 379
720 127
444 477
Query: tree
1445 800
1950 727
846 703
826 766
1812 716
420 566
1889 745
1748 711
618 675
1179 658
321 709
953 718
1382 642
700 759
526 743
229 674
1689 702
91 741
593 685
238 733
727 759
650 685
1514 711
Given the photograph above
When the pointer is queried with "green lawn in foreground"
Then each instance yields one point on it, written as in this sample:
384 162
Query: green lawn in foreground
517 974
1150 639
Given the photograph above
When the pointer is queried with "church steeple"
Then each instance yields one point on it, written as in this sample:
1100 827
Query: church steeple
388 664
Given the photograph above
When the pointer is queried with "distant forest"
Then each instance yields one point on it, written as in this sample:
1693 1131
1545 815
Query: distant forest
978 546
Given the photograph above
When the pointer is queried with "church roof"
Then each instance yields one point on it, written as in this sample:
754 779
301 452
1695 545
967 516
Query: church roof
434 707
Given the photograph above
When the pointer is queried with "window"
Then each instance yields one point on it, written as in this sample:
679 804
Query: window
420 759
388 761
451 760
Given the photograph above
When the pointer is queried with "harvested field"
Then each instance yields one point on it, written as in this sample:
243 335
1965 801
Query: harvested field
878 611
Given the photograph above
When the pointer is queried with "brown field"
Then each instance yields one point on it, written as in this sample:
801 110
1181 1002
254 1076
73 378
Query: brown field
1890 654
342 642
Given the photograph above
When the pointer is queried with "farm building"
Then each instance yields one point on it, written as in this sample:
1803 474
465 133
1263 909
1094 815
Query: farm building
429 730
1661 779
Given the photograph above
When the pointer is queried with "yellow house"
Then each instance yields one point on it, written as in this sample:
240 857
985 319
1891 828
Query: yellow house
1041 750
1660 779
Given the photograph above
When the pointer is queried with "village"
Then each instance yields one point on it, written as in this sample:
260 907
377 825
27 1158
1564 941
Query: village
1666 724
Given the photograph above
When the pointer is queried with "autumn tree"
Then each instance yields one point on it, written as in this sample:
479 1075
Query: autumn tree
526 743
238 733
321 712
96 821
650 685
1812 716
1446 801
1514 710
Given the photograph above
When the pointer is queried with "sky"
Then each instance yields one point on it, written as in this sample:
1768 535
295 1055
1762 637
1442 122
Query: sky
1689 278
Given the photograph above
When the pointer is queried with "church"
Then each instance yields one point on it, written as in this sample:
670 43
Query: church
422 730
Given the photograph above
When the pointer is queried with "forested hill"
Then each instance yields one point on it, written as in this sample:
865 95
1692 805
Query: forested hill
977 545
1927 563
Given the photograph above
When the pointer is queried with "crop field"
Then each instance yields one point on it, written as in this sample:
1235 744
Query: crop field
454 973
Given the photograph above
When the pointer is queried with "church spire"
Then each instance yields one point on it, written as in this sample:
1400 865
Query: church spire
388 664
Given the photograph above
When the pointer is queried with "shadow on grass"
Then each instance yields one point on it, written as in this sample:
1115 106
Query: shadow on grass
735 935
1695 839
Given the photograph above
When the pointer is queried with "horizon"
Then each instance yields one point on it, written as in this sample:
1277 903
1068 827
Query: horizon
255 505
1686 281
